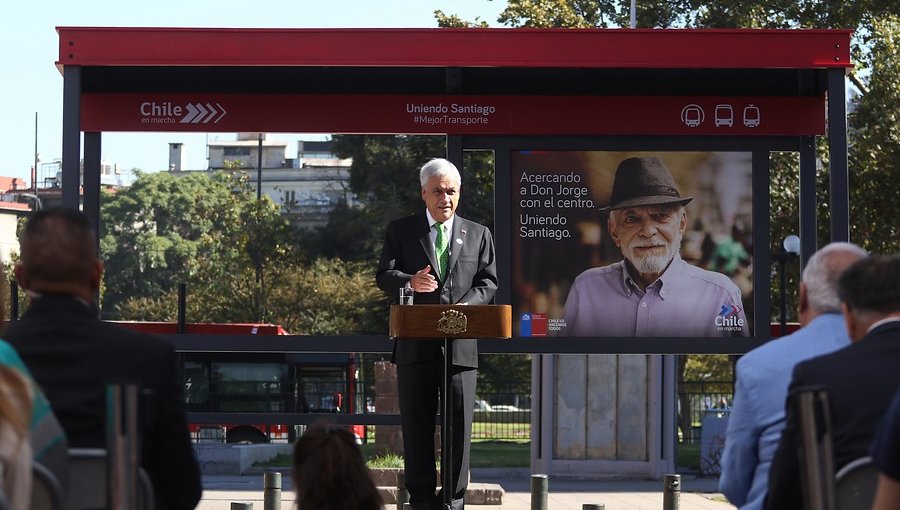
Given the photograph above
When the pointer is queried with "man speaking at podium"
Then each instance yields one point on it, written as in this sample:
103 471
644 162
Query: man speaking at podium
445 259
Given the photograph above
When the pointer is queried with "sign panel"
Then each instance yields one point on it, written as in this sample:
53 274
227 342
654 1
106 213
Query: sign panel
673 258
483 115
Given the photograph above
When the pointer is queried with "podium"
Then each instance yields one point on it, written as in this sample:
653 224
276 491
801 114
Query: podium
449 322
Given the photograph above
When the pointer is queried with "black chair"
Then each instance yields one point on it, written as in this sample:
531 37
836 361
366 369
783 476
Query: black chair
90 478
813 417
46 491
855 484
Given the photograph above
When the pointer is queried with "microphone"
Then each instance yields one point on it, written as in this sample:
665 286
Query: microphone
450 273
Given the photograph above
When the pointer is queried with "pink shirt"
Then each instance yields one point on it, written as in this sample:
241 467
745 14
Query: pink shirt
685 301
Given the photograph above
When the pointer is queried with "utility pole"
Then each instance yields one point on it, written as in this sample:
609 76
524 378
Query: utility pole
259 292
35 167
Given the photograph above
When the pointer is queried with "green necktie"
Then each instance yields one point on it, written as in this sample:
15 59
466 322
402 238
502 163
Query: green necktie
440 248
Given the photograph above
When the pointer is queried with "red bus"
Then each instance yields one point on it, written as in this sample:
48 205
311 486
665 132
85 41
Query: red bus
222 382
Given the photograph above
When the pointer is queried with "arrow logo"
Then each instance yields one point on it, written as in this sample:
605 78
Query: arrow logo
198 113
729 311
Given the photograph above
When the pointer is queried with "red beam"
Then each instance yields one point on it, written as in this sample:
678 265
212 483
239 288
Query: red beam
563 48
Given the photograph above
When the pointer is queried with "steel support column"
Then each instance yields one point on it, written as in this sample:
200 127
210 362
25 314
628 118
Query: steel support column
837 148
91 201
808 232
71 139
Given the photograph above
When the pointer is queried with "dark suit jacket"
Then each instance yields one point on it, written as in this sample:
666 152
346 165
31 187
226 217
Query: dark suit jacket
73 356
861 379
473 274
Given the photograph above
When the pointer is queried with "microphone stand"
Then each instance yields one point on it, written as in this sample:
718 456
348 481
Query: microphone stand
447 485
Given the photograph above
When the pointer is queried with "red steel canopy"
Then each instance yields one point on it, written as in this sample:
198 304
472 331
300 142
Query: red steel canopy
447 47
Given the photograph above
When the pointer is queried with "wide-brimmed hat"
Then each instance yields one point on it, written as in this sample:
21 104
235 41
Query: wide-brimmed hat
643 181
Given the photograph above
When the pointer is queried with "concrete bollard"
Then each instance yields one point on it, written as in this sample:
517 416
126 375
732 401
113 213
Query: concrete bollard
540 486
592 506
241 506
671 491
272 491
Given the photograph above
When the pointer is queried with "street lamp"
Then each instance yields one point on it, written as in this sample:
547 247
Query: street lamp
790 249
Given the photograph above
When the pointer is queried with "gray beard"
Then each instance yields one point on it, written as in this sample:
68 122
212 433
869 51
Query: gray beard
650 264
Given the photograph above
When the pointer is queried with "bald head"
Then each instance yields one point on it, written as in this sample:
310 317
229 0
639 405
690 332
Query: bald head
58 254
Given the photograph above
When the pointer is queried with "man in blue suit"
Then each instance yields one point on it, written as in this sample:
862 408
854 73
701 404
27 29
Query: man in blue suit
445 259
757 417
860 379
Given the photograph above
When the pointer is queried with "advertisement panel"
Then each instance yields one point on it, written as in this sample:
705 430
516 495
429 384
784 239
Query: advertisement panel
632 244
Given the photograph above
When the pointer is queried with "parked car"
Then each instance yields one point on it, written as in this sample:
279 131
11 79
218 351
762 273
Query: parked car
481 405
505 408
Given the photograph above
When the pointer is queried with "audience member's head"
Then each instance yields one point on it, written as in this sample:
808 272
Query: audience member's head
15 401
870 292
819 287
330 472
59 255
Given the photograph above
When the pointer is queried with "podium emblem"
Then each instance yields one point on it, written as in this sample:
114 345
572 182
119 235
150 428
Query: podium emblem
452 322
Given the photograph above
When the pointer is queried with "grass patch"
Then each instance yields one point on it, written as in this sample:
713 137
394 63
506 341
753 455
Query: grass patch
688 456
484 454
500 454
280 460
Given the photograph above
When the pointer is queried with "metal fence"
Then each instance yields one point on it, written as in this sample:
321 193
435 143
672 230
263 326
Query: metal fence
695 399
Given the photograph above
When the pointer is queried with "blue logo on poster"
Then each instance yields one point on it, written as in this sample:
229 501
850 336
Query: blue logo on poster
525 325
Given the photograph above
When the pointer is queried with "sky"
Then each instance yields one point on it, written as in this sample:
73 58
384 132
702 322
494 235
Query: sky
30 82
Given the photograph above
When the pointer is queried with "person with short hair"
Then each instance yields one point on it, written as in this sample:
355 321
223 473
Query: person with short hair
860 379
651 292
330 473
74 356
763 374
445 259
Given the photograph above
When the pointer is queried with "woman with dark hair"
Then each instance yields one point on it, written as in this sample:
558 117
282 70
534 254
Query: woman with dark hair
330 472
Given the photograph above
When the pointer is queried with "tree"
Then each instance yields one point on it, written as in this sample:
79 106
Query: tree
239 256
153 231
385 178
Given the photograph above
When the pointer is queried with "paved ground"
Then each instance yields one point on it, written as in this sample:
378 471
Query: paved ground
565 494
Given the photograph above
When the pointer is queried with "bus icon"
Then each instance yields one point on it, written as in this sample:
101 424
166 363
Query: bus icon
751 116
692 115
724 115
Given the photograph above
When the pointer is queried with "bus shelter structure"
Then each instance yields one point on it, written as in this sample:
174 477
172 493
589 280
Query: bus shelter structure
504 90
549 83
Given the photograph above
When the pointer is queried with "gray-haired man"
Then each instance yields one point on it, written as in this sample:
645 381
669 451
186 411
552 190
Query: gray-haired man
651 292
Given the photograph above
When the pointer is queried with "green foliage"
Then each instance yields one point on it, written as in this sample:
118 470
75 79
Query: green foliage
212 233
453 21
504 373
875 144
710 367
329 297
163 229
386 460
385 179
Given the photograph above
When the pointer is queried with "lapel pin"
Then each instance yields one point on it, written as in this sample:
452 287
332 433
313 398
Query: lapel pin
458 241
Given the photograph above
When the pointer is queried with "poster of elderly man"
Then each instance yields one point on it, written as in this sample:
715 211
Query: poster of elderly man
632 244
